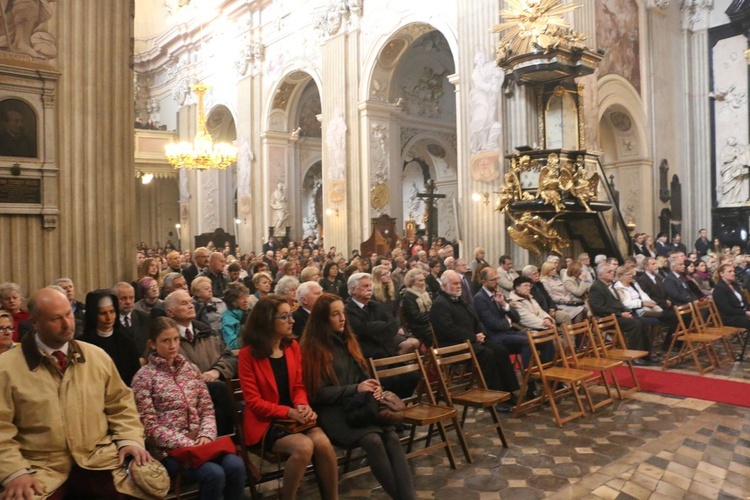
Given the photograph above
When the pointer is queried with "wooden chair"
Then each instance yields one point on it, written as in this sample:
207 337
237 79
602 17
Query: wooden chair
611 344
693 342
460 381
583 354
419 412
552 374
711 322
255 474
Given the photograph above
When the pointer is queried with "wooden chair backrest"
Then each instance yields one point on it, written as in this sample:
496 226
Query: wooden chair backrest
580 342
607 333
458 369
685 320
398 365
537 338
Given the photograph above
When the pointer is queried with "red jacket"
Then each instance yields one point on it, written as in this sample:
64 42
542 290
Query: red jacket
260 392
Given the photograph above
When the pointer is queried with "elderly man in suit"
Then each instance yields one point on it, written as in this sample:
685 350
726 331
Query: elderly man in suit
455 322
653 284
604 301
674 283
307 293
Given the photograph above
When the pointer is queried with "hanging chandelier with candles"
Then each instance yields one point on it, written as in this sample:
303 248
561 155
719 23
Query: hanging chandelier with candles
202 153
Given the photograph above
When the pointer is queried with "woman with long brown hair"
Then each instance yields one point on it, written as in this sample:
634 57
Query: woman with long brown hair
270 372
149 268
335 370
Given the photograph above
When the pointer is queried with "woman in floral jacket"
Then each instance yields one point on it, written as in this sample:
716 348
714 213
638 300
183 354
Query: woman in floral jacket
177 411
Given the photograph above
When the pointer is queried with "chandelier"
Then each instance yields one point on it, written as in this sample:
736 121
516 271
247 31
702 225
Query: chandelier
202 154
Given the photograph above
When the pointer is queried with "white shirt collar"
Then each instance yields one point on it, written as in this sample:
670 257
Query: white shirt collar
47 349
182 329
360 304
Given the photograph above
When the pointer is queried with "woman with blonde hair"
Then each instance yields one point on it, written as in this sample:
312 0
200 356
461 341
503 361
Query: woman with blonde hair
573 283
383 290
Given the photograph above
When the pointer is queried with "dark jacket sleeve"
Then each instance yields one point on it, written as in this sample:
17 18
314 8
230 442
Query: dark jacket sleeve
494 319
675 291
726 302
417 321
379 331
599 298
446 329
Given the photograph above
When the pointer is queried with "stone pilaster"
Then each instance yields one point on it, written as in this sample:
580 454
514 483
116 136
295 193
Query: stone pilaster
480 224
95 241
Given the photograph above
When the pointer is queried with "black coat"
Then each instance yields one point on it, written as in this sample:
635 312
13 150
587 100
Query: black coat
603 303
541 295
300 320
418 322
731 309
138 330
454 320
656 290
677 290
374 327
495 320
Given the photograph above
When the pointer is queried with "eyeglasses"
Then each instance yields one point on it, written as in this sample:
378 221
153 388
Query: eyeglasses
6 328
284 317
153 287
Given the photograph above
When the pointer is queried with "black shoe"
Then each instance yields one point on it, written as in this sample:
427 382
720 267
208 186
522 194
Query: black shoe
504 407
642 362
532 393
513 401
653 359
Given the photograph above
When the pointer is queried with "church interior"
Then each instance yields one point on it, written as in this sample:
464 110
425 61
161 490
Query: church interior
361 124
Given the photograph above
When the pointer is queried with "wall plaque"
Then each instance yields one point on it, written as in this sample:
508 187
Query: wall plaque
19 190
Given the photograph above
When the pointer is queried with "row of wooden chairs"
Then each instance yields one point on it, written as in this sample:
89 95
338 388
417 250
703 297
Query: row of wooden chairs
448 376
585 354
699 330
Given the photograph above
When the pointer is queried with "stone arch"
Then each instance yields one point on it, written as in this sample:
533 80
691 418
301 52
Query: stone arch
406 93
626 150
291 143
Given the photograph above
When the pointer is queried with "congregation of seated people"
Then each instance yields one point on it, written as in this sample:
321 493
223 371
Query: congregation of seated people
296 323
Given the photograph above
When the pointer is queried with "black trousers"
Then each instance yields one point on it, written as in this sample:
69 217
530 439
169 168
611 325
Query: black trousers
223 407
496 367
637 333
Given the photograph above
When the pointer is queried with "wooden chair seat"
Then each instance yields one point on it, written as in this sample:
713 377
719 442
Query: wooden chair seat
460 381
694 341
552 374
616 349
421 408
480 398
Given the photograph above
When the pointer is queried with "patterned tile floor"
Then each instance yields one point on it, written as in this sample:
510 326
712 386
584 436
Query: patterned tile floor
647 447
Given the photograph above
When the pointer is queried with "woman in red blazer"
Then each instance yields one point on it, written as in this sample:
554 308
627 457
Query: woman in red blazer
270 371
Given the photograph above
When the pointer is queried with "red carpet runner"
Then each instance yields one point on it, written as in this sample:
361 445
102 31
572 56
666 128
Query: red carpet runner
691 386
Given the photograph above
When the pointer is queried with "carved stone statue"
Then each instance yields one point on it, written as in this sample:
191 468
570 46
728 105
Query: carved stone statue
336 143
735 158
21 28
280 207
486 79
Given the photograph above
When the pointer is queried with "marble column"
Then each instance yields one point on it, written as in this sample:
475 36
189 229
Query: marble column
480 224
94 242
697 178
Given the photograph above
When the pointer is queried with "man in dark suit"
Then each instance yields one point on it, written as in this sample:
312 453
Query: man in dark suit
730 301
455 322
377 331
604 302
496 315
134 323
462 268
307 293
677 244
653 284
702 244
675 285
200 261
661 245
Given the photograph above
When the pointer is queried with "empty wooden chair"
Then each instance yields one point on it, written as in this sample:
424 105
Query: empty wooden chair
611 344
720 322
556 378
693 342
583 353
707 320
460 381
421 409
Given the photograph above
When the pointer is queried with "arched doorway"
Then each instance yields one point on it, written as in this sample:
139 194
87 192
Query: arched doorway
410 119
222 128
293 148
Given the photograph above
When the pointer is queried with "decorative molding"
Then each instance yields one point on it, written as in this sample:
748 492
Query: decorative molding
251 55
379 168
657 5
332 17
32 39
695 14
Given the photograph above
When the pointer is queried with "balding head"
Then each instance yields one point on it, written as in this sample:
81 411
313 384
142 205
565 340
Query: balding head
52 317
216 262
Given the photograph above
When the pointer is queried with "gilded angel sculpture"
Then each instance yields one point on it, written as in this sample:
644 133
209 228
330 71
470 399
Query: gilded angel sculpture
584 188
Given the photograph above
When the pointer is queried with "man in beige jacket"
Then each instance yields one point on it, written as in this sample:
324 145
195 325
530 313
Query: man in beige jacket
67 420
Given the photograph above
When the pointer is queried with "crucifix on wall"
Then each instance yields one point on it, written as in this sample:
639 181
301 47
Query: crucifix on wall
431 213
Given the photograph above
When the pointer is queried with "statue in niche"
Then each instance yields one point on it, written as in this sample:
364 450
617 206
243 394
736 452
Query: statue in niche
487 79
20 29
336 143
280 207
735 158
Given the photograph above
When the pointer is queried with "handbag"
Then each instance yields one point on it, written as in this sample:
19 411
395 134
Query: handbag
195 456
292 426
362 409
390 409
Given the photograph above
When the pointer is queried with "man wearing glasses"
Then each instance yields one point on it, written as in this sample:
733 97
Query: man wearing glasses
204 348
